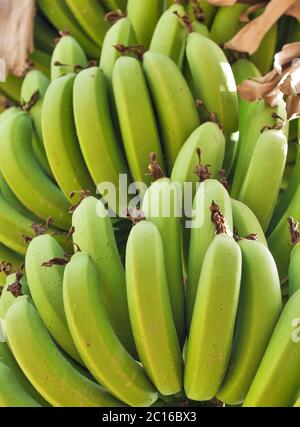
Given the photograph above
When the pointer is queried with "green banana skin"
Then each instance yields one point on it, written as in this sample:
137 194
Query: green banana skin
9 112
208 10
164 197
170 35
95 131
255 321
277 380
246 222
209 138
136 117
7 298
94 235
114 4
287 197
24 175
269 154
11 392
12 87
90 16
293 273
100 348
41 61
216 304
60 139
279 240
150 308
226 23
204 232
257 117
63 386
59 15
144 16
173 102
264 56
69 53
11 257
230 152
201 28
224 103
46 288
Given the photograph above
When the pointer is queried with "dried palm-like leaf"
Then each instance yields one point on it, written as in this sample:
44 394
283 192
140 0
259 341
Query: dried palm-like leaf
16 33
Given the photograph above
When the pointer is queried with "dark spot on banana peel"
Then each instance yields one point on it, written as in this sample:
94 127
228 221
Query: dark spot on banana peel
253 237
114 16
155 169
294 230
217 218
16 287
202 171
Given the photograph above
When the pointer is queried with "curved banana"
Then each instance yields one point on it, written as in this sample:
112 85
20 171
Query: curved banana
263 58
203 232
255 321
173 103
61 18
95 131
60 139
67 54
99 347
258 116
150 308
144 16
25 176
226 23
12 393
162 205
288 195
170 35
46 288
268 155
94 235
51 374
90 16
136 117
277 380
213 321
246 222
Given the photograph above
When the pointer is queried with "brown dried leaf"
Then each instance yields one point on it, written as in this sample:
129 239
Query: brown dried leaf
288 53
294 10
16 33
249 38
245 17
293 107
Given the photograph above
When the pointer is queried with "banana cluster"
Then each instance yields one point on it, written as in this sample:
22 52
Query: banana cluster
189 303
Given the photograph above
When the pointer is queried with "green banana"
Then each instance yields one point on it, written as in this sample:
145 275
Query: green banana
94 235
218 91
136 116
41 61
8 296
114 4
150 308
213 321
51 374
162 206
90 16
277 380
99 347
210 139
293 273
230 152
46 288
12 87
258 116
59 15
226 23
263 58
173 102
288 195
96 134
24 175
7 256
144 16
203 232
170 35
44 34
199 27
268 155
255 321
60 139
246 222
206 10
12 393
9 112
66 56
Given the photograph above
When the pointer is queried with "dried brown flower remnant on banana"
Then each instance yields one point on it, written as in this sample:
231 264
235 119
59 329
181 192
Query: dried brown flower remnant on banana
252 236
15 288
202 171
223 179
114 16
138 50
217 218
282 81
56 261
294 230
134 215
6 268
155 169
186 21
83 194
